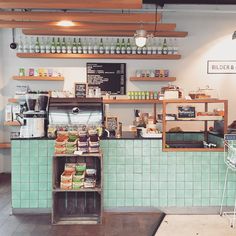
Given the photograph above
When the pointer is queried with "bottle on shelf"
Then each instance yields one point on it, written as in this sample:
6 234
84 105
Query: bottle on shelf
48 45
144 49
128 47
74 46
149 46
133 47
58 46
123 47
84 47
53 46
42 46
107 46
20 46
95 46
118 46
90 46
112 47
26 45
69 46
63 46
170 46
154 46
175 46
159 46
101 47
31 45
139 50
165 47
37 45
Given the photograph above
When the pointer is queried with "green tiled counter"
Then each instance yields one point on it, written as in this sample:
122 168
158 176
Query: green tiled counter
136 173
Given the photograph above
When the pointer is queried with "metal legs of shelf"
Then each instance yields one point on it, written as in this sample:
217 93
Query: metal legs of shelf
230 215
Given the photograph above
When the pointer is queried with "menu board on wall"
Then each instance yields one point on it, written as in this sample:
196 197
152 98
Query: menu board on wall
109 77
80 90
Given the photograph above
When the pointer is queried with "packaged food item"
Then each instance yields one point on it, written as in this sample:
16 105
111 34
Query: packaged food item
91 172
61 150
80 167
77 185
89 182
66 186
78 177
66 177
69 167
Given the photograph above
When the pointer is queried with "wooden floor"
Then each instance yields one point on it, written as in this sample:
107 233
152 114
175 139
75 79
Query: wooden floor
114 224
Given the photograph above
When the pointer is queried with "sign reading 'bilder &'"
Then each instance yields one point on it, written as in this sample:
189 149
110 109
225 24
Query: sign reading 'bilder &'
221 67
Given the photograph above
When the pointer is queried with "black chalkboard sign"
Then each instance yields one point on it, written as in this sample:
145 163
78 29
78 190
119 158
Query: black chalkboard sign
111 123
186 112
80 90
109 77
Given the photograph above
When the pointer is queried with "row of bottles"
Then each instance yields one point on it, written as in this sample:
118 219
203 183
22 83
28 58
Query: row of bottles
96 45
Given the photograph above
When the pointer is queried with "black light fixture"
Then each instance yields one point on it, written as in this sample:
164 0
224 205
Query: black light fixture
234 35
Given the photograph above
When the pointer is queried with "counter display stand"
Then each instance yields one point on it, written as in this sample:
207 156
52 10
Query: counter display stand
77 206
204 103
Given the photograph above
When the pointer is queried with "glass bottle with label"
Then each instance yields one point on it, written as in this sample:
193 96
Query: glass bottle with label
26 46
159 46
95 46
164 47
63 45
101 47
128 47
53 46
20 46
31 45
144 49
37 45
74 46
107 46
69 46
139 50
170 47
84 47
118 47
123 47
149 46
81 48
175 46
48 46
112 46
42 46
90 46
58 46
133 47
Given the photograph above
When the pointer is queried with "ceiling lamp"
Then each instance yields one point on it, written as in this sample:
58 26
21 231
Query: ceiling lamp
234 35
65 23
140 37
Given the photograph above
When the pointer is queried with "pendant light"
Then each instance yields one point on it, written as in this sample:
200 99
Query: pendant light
140 38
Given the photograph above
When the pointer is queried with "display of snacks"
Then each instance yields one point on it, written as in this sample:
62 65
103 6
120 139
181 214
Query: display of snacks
70 167
89 182
61 150
91 172
78 177
66 186
66 177
77 185
80 167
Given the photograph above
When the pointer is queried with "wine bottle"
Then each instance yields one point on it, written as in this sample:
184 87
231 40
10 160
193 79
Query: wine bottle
128 47
82 48
42 46
37 45
149 46
58 46
101 47
144 49
175 46
53 46
31 46
134 48
123 47
95 47
107 47
48 46
63 46
90 46
139 50
112 47
117 46
69 46
154 46
159 47
170 47
164 47
26 46
20 46
74 46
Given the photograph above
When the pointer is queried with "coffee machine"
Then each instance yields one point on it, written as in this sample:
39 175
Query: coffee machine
35 119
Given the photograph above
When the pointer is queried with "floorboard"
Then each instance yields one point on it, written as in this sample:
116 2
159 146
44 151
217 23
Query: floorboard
114 223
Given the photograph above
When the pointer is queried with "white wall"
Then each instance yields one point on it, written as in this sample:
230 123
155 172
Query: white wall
209 39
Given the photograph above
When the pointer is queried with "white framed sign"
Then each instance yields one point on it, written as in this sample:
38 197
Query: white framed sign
221 67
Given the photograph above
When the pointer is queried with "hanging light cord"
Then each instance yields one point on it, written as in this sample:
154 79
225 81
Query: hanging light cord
155 29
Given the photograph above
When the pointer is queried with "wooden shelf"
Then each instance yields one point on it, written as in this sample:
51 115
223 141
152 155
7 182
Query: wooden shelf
5 145
78 190
153 79
99 56
12 123
193 149
76 155
48 78
130 101
194 101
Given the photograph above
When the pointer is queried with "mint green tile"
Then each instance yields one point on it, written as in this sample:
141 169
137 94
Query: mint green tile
43 186
197 194
43 195
146 185
120 143
112 160
215 202
129 185
154 152
42 203
197 202
171 185
120 185
138 202
180 193
154 176
163 202
230 193
163 193
129 193
112 194
138 160
43 152
146 176
189 185
120 169
43 160
112 177
154 194
120 194
138 185
154 160
16 203
230 201
129 152
24 152
146 151
146 168
146 194
34 186
112 202
16 186
43 178
188 202
15 152
137 177
138 143
120 177
129 144
33 195
180 169
180 185
16 195
180 202
197 185
105 168
104 144
129 169
34 204
146 160
120 202
171 202
214 185
129 160
24 195
163 176
43 169
146 202
25 178
120 152
15 177
112 143
137 151
25 187
15 144
130 177
137 194
112 185
171 177
25 203
112 152
188 194
129 202
112 169
155 143
214 169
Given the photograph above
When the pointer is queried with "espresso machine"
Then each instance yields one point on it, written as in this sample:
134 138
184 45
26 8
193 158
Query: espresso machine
35 119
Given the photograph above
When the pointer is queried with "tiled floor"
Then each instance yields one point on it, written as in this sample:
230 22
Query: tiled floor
191 225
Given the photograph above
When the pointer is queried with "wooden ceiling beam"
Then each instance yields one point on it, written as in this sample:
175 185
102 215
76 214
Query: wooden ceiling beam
99 33
86 26
71 4
80 16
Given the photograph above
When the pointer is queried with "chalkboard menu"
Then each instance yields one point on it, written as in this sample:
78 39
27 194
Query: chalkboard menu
109 77
80 90
186 112
111 123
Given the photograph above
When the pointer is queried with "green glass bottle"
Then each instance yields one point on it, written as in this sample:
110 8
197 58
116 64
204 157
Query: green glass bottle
101 47
164 47
79 47
74 46
37 45
58 46
123 47
128 47
117 46
53 46
63 45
